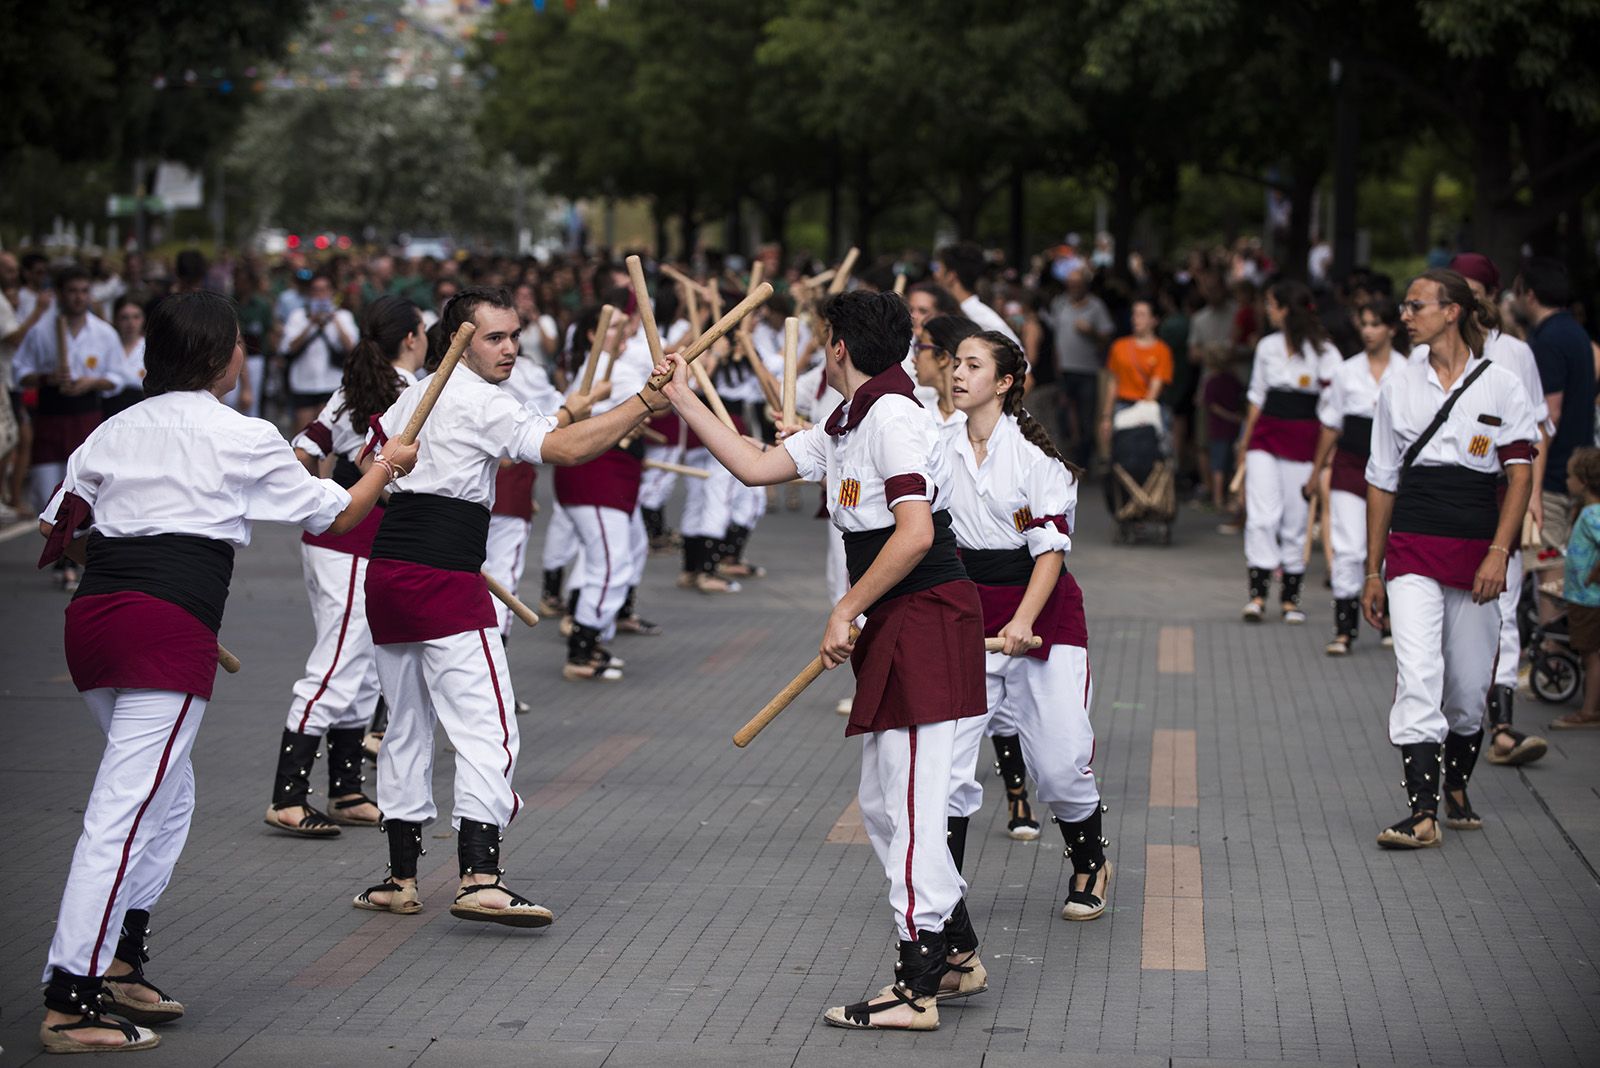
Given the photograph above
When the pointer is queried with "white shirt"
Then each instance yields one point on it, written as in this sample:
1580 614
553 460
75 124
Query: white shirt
92 352
987 318
474 426
530 384
1353 391
1304 372
313 371
896 438
347 440
1410 398
1515 356
629 372
185 463
127 366
531 341
992 506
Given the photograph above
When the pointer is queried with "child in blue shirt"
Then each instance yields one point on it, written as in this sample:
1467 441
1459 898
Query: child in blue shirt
1582 592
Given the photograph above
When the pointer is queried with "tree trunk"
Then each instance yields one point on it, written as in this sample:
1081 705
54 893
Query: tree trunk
1297 242
658 216
835 201
1346 145
1124 208
1422 221
775 214
689 223
1017 228
866 211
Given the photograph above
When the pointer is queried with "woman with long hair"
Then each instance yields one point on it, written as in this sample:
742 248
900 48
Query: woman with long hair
1012 503
1278 443
339 690
1343 446
127 316
1444 431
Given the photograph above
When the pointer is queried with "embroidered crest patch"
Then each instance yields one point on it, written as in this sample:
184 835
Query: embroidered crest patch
849 493
91 362
1021 518
1479 445
1305 380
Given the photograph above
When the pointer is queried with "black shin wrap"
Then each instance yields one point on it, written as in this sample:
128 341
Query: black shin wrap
1460 757
405 846
572 602
552 584
345 761
1346 617
380 716
1260 583
132 947
1500 698
75 995
296 754
737 538
1008 761
691 555
959 935
1086 845
955 836
478 847
1291 588
629 610
922 964
581 644
654 524
711 552
1423 763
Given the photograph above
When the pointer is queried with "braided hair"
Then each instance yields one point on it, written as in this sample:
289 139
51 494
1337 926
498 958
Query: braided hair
1009 360
370 382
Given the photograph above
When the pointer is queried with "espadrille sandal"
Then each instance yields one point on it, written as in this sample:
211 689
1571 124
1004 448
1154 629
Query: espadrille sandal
519 913
403 901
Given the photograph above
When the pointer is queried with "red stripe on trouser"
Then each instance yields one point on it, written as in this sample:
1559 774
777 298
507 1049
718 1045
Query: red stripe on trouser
505 730
127 846
911 846
605 547
1087 677
344 626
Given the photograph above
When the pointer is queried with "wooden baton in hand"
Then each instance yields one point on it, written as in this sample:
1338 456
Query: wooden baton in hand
596 347
680 469
791 367
698 347
511 601
842 277
227 661
436 381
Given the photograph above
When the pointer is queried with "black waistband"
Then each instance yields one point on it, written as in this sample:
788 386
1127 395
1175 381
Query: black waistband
1356 437
939 565
1290 404
998 567
183 569
1449 501
440 532
54 402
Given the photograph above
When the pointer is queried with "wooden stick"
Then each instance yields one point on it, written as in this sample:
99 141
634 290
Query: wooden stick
712 397
1237 482
436 381
785 697
694 316
791 366
756 270
678 276
900 284
842 278
63 360
611 361
679 469
698 347
652 435
596 346
227 660
820 278
509 599
647 314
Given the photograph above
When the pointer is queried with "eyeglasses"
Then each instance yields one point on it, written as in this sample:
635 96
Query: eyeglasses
1414 306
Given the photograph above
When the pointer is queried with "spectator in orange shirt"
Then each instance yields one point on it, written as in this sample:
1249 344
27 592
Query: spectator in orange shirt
1140 364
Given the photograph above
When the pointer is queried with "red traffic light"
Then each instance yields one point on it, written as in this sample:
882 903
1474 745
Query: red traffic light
321 242
292 241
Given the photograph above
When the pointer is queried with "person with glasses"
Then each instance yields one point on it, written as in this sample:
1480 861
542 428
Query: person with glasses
1278 444
1444 430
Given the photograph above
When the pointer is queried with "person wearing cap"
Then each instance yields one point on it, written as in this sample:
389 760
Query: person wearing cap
1507 745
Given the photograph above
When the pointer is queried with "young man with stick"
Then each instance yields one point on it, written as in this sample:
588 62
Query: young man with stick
918 661
432 618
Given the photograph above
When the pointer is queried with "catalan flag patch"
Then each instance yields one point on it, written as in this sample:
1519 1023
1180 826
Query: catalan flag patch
1479 445
1021 518
849 493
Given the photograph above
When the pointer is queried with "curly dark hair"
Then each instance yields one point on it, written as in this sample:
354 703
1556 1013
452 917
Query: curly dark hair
371 383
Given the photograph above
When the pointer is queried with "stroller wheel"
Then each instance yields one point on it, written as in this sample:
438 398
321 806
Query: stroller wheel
1555 676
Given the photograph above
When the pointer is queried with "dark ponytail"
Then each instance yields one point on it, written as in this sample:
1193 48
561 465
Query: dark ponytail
371 383
1477 314
1009 360
1301 323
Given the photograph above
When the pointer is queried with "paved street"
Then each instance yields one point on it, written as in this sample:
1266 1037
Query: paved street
711 901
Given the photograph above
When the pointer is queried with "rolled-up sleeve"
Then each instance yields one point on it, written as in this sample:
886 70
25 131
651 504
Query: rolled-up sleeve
1383 465
280 490
1517 433
1330 404
902 449
1052 496
809 451
1257 393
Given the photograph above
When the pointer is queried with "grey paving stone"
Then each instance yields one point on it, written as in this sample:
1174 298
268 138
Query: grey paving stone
657 1055
276 1051
458 1053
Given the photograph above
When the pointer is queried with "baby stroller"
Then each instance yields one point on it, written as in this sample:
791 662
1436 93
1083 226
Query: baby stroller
1555 672
1140 492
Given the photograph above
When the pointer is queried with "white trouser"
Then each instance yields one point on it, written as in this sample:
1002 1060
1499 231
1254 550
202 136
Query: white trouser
340 686
706 506
638 546
1275 513
1048 700
1444 651
607 570
461 683
1505 672
560 539
42 482
505 555
838 574
1347 533
905 788
135 824
747 504
655 486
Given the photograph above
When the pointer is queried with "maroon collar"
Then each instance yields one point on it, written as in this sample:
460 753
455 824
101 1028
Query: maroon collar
893 381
